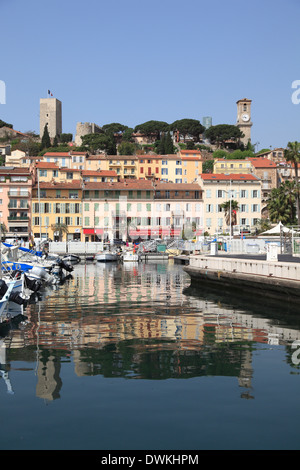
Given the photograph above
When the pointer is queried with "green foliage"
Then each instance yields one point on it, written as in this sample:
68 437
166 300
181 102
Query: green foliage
31 146
165 146
230 216
152 127
5 124
97 142
65 138
222 132
46 142
114 128
262 151
188 127
240 154
282 203
208 166
220 153
126 148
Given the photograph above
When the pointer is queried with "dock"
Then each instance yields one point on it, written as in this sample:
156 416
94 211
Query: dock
252 275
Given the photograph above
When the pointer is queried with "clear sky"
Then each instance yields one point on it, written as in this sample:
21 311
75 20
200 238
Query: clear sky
133 61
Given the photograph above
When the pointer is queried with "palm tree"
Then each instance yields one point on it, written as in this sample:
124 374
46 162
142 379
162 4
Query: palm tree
230 219
282 203
60 228
292 154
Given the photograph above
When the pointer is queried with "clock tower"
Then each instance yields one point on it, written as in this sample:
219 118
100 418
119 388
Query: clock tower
244 119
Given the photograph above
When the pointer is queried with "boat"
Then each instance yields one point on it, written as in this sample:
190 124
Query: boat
106 256
71 258
130 256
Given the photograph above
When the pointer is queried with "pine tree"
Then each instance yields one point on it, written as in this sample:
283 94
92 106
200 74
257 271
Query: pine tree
46 142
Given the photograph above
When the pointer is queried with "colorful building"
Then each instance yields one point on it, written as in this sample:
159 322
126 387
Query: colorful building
220 188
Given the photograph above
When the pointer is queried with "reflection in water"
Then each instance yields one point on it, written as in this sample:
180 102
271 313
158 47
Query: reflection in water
142 321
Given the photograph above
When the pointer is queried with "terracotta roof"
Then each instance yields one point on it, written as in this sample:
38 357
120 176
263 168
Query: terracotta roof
98 173
96 157
46 165
72 170
56 154
177 186
140 185
191 151
75 184
14 170
224 177
262 162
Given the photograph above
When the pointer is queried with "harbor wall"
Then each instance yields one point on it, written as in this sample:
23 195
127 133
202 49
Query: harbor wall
273 279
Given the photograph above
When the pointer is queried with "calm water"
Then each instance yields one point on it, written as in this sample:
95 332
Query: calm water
130 357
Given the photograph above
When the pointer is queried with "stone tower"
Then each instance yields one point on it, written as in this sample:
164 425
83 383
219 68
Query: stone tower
244 119
50 113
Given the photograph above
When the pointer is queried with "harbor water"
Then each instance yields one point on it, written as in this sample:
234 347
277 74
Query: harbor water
130 357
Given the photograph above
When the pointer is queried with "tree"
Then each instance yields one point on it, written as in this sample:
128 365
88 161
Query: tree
126 148
66 138
150 128
188 127
46 142
114 128
165 146
5 124
222 132
98 142
230 219
292 154
282 203
262 225
61 229
208 166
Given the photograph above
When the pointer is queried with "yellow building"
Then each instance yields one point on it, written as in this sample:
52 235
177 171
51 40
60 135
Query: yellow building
232 166
218 189
55 203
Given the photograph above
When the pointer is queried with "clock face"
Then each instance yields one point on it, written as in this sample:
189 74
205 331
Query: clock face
245 117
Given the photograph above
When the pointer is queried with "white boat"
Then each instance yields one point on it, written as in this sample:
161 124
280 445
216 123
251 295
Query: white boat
130 256
106 256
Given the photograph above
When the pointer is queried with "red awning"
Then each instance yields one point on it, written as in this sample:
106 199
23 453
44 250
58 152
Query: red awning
89 231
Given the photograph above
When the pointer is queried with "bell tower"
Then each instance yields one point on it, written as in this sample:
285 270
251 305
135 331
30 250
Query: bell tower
244 119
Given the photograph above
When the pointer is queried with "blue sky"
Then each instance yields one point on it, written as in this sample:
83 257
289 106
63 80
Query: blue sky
134 61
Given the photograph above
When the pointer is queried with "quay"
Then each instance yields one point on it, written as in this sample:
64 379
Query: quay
255 275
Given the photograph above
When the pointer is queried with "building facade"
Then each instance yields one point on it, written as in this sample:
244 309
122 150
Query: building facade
219 189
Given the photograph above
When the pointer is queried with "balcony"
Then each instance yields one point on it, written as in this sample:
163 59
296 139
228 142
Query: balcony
18 219
18 193
19 208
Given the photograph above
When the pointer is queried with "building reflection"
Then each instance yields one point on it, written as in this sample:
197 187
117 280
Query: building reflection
140 322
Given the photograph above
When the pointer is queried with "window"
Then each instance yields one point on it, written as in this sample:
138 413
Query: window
220 193
178 162
73 194
209 208
255 193
164 171
57 208
243 193
55 173
43 172
178 171
142 170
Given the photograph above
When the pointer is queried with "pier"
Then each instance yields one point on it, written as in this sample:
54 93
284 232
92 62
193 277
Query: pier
257 275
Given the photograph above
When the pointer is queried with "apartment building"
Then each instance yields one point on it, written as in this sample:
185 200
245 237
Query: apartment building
219 188
15 201
139 209
55 203
224 165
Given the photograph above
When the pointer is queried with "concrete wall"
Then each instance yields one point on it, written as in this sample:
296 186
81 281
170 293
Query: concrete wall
288 271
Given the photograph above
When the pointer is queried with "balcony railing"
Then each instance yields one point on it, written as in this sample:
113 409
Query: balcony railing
17 218
19 193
